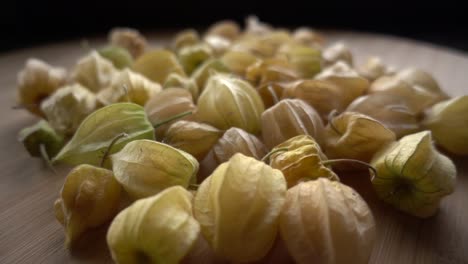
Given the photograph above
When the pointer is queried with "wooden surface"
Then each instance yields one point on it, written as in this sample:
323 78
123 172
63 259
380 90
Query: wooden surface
29 232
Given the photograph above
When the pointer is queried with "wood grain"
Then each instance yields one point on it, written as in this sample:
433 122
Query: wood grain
29 232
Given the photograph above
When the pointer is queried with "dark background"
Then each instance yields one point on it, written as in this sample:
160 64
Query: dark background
29 23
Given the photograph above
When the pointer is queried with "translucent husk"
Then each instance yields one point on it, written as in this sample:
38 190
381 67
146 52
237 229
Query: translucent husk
308 36
271 70
229 101
326 221
94 72
249 191
157 229
204 71
337 52
422 81
128 86
394 112
185 38
99 129
238 61
346 79
418 99
447 121
289 118
175 80
192 56
226 28
305 60
322 95
355 136
271 93
68 107
36 81
145 168
194 138
119 56
236 140
301 160
129 39
412 175
168 103
156 65
373 69
39 134
89 198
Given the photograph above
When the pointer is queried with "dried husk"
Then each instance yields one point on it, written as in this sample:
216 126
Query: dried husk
226 28
249 191
301 160
175 80
94 72
238 61
194 138
337 52
119 56
145 167
346 79
418 99
166 104
128 86
355 136
373 69
156 65
271 70
422 81
308 36
289 118
95 134
89 198
413 176
271 93
325 221
192 56
448 123
394 112
36 81
305 60
185 38
129 39
204 71
39 134
322 95
229 101
158 229
68 107
236 140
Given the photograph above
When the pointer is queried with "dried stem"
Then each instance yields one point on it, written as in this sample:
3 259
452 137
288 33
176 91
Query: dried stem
45 156
269 154
106 153
172 118
334 161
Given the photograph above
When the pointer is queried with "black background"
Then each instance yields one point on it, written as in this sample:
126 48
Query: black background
29 23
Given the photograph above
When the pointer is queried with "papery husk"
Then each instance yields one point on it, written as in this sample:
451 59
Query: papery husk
236 140
145 168
301 160
413 176
289 118
37 81
325 221
157 229
249 191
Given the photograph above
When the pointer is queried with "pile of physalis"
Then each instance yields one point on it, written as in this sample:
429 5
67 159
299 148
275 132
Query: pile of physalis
230 145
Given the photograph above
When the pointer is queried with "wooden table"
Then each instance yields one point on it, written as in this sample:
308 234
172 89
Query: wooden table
29 232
